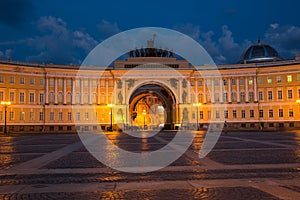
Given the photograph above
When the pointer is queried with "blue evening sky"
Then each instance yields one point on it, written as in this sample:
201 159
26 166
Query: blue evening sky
63 32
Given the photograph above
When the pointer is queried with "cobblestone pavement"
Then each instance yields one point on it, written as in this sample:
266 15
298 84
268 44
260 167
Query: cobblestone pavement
242 165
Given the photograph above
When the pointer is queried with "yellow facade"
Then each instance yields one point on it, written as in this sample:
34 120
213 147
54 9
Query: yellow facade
54 98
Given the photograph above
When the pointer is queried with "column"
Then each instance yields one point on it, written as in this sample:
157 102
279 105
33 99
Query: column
189 91
196 97
246 90
55 91
204 90
221 90
98 91
212 96
73 91
47 90
238 89
65 90
229 90
255 89
81 91
106 90
180 90
90 91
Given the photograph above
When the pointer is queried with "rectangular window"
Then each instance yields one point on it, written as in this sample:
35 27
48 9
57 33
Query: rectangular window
279 79
51 82
22 116
1 96
291 113
31 116
251 96
41 116
243 114
11 115
234 114
279 93
60 116
42 98
51 116
2 80
31 97
60 82
201 114
94 83
280 113
260 95
270 95
251 113
11 80
77 83
1 115
233 82
22 97
199 83
12 96
289 78
250 81
31 81
69 82
261 113
259 80
86 116
224 82
217 114
78 116
298 77
22 80
111 84
69 116
269 80
271 113
41 81
242 82
290 94
225 114
298 93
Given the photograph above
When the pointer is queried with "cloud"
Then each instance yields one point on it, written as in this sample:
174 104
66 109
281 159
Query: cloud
57 44
189 29
15 12
6 54
107 28
285 39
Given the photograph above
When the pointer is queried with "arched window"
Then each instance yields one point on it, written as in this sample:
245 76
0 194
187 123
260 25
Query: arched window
60 97
69 97
51 97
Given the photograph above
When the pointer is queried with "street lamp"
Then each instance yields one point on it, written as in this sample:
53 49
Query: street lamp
111 106
144 114
5 104
197 105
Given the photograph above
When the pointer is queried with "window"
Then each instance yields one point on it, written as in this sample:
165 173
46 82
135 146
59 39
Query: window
290 94
11 115
259 80
225 97
200 83
280 113
260 95
69 82
41 116
85 83
1 96
86 116
60 97
41 81
251 96
102 83
269 80
209 114
2 80
11 80
51 82
216 82
217 114
242 96
224 82
111 83
60 116
271 113
298 93
69 97
51 116
243 113
291 113
60 82
234 114
233 82
42 98
250 81
201 114
225 114
51 97
22 116
242 82
78 98
78 116
31 81
270 95
31 116
298 77
31 97
12 96
289 78
22 97
22 80
1 114
77 83
279 93
94 83
261 113
278 79
251 113
69 116
233 96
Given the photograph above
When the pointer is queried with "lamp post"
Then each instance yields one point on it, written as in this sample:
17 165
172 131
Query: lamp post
111 113
197 105
144 114
5 104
